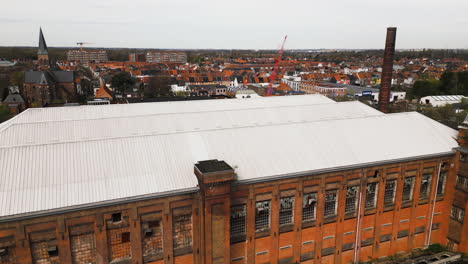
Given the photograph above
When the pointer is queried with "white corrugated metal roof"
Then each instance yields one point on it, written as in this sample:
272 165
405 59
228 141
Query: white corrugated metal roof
66 174
20 134
141 109
444 97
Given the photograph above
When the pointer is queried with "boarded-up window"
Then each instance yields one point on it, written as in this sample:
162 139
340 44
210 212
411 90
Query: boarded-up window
82 244
152 245
182 233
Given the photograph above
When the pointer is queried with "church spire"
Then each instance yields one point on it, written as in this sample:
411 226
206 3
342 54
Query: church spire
42 44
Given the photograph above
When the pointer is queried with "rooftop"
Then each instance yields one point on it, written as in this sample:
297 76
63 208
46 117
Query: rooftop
78 157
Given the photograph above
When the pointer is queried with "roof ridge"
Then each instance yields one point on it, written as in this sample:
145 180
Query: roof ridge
211 129
173 113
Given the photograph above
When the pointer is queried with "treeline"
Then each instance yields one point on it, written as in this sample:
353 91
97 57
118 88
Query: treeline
450 83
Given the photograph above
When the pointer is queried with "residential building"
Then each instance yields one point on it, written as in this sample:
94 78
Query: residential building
86 55
166 56
136 57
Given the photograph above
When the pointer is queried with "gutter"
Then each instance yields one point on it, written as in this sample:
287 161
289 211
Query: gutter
145 197
342 168
96 205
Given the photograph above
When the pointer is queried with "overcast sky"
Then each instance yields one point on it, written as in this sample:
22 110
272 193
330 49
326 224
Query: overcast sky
238 24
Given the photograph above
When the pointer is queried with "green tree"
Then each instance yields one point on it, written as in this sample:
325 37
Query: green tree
122 82
159 85
4 113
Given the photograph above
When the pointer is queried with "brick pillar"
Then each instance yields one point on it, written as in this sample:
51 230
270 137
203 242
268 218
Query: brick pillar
102 256
214 178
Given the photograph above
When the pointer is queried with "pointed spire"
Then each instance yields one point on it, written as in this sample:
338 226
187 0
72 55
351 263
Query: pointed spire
42 44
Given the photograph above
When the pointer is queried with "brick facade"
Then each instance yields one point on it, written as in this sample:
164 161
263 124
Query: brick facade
195 228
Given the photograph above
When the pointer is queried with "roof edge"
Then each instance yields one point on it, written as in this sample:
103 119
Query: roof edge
342 168
95 205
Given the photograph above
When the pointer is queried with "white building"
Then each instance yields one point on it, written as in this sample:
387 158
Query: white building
176 88
441 100
247 93
292 81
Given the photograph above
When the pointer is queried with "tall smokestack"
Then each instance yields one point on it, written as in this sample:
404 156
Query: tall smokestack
387 69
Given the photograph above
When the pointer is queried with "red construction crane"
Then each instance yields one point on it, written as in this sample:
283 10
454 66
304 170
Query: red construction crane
275 68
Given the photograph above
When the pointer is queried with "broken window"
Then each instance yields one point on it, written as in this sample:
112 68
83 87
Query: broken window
286 210
309 204
330 203
7 250
389 195
152 245
238 221
182 232
462 182
351 199
441 183
457 214
371 195
408 185
425 188
44 246
262 216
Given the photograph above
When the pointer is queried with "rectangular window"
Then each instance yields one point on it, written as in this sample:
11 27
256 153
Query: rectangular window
286 210
457 214
330 203
371 195
441 183
390 188
408 185
462 182
308 206
425 188
238 220
152 240
351 199
182 232
262 216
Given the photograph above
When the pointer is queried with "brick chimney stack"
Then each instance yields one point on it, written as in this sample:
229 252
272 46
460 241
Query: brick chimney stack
387 69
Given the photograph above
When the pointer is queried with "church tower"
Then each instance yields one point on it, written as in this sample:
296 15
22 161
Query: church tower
43 52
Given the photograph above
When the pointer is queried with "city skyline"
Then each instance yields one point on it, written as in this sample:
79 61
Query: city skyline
246 25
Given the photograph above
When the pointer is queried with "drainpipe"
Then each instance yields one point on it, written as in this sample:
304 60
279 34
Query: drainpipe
358 223
428 240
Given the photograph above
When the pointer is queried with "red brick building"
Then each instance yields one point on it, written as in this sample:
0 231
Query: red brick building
141 183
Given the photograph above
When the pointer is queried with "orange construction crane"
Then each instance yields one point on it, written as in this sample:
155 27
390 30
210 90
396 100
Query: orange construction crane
81 44
275 68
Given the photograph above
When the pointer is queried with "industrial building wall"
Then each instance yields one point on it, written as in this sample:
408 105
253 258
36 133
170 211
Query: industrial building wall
156 231
383 225
327 218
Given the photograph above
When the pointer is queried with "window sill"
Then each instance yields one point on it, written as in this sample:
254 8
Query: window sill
264 233
329 219
406 204
307 224
286 228
182 251
423 201
350 216
370 211
389 207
